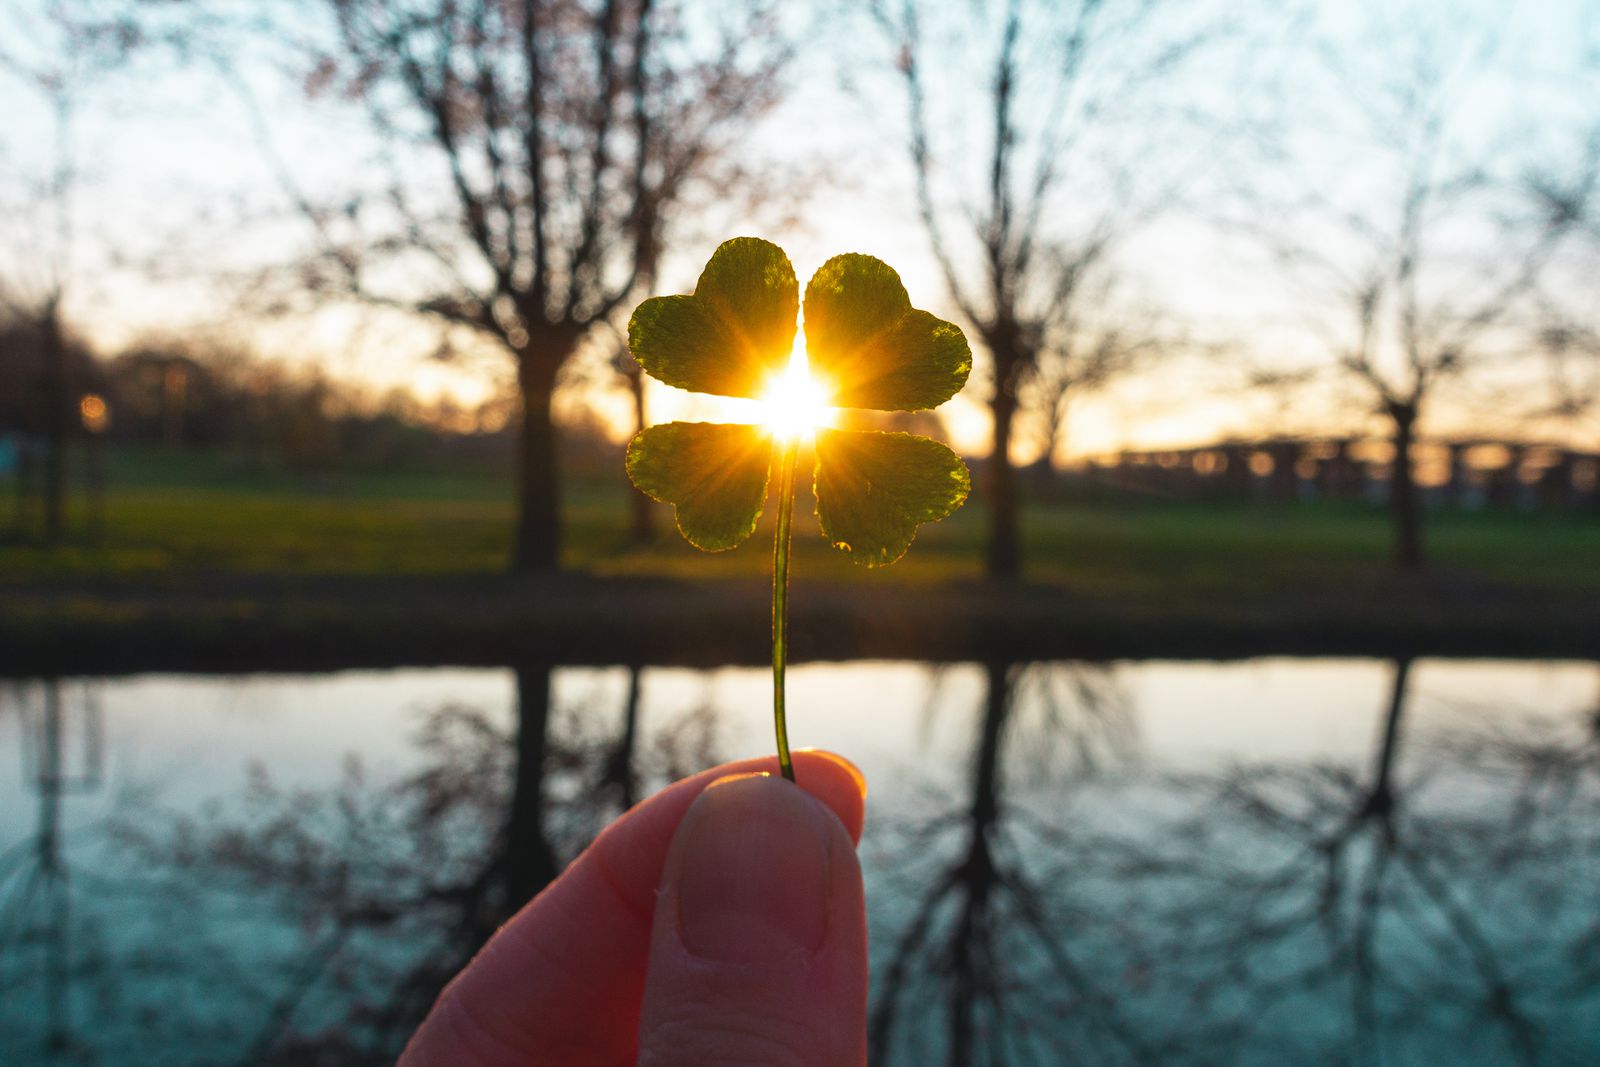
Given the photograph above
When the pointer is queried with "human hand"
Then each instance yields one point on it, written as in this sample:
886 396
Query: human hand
721 921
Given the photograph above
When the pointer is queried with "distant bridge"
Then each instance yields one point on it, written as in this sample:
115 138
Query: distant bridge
1471 473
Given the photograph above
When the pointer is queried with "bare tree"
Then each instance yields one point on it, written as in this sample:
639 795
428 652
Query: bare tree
1568 316
1073 165
641 509
1414 233
55 54
1096 341
534 153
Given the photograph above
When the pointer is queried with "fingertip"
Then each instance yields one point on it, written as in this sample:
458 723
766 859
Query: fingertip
836 782
849 767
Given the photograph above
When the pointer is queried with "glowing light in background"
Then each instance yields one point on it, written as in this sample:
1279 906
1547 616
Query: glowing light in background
794 404
96 416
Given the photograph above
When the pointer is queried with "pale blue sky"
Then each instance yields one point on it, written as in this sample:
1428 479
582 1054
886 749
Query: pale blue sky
172 169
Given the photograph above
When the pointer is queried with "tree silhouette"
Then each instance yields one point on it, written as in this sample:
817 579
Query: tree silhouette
1027 247
57 54
565 136
1416 261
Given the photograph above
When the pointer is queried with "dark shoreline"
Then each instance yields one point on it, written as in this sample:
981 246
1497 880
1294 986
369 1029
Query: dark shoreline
231 622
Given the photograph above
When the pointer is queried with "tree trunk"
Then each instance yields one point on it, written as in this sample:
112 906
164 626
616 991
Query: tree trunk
619 769
1380 797
1004 554
643 526
538 533
968 986
22 502
55 422
987 766
530 862
53 936
1042 471
1403 502
1056 431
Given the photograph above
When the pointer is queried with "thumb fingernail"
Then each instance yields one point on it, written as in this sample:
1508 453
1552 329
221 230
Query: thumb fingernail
751 872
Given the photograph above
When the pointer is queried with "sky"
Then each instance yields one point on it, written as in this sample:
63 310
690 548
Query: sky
177 188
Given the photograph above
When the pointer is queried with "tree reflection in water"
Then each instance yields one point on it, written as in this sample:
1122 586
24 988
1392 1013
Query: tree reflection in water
985 964
1440 908
36 879
1432 902
393 887
1399 915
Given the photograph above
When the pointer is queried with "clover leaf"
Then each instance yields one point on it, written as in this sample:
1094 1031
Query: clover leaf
868 347
874 489
716 477
863 336
733 333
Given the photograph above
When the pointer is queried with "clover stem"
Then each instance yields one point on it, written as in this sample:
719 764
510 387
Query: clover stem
780 599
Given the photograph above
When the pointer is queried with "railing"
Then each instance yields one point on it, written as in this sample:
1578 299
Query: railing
1470 474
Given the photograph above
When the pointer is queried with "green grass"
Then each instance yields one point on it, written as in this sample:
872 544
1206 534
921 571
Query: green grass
175 514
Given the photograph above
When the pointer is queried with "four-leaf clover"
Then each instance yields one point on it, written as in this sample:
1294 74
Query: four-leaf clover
867 347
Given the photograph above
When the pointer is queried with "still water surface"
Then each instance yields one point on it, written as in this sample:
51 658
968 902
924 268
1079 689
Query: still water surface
1269 861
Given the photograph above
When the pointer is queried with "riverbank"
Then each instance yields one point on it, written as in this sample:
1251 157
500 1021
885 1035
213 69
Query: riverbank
232 622
201 566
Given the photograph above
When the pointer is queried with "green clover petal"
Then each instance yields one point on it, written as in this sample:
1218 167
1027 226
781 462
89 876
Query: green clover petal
874 489
872 349
715 475
733 334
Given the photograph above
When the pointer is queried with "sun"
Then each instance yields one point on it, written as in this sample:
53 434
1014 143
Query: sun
794 403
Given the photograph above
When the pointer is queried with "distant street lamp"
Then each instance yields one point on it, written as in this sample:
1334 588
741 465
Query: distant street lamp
96 417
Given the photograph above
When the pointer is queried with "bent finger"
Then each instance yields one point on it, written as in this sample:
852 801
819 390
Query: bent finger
562 981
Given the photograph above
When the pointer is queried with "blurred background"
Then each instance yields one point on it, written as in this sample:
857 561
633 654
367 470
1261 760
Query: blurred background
1248 712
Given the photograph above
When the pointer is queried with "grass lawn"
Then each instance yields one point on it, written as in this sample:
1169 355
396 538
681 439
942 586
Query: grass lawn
167 514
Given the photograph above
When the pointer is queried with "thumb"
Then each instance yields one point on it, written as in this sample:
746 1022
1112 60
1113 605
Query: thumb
759 949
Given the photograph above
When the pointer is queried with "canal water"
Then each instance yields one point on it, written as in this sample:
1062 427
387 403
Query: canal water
1253 862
